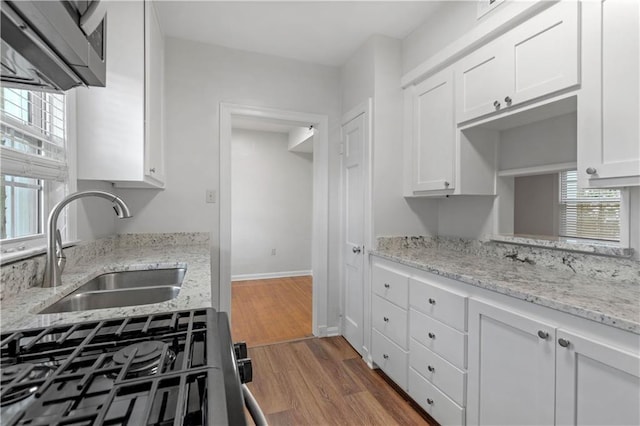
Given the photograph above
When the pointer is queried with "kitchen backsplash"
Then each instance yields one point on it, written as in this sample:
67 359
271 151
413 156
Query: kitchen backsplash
594 265
29 272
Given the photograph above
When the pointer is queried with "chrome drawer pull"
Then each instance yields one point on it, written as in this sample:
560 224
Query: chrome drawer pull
563 342
429 401
431 369
431 336
386 285
385 356
385 319
432 301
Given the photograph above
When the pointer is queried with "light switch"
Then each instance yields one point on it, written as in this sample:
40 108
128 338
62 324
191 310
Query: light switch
211 196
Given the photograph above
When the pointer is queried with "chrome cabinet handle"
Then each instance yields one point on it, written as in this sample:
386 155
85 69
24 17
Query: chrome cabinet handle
429 401
385 319
356 250
432 301
591 171
563 342
386 285
543 334
496 104
508 100
153 170
431 369
431 335
385 356
446 184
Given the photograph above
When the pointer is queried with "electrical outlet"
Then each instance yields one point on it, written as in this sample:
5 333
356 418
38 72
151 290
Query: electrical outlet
211 196
273 252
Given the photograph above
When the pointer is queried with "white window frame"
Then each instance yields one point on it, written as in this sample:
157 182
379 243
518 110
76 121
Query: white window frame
24 247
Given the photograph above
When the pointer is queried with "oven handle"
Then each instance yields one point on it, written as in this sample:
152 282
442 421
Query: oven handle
254 409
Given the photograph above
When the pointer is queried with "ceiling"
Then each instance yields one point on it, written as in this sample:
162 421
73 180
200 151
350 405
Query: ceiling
320 32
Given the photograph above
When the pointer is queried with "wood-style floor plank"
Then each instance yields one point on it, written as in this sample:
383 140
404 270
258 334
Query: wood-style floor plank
271 311
326 382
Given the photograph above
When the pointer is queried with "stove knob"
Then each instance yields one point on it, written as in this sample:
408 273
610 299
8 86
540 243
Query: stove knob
240 349
245 370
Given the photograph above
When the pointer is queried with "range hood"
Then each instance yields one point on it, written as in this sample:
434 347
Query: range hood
53 45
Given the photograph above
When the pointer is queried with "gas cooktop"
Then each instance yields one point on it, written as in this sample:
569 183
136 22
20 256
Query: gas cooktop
176 368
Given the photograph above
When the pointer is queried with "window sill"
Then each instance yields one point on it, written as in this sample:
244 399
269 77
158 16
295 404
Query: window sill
602 248
17 255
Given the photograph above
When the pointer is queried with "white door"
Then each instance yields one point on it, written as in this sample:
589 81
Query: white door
353 137
511 368
597 384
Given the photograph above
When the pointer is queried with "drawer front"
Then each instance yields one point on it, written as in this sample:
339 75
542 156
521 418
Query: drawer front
442 374
391 321
445 341
391 285
390 358
434 402
444 305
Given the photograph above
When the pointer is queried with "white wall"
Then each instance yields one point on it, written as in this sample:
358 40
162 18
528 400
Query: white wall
95 216
271 208
198 77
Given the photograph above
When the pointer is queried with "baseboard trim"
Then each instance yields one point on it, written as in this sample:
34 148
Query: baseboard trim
333 331
267 275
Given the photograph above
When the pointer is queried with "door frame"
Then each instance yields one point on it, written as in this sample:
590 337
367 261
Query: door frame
320 220
365 108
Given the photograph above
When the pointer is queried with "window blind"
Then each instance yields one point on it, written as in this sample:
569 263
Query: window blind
588 213
32 134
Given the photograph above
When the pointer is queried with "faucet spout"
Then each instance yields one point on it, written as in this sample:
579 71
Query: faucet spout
55 256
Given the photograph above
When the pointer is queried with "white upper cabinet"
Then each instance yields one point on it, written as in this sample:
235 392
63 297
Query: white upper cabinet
609 102
120 136
434 133
537 58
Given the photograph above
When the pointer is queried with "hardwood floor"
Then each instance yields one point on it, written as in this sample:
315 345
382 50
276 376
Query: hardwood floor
326 382
270 311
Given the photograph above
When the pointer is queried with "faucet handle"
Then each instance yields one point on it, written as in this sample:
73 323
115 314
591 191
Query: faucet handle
61 257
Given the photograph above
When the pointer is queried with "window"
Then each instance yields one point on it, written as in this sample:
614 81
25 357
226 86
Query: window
33 164
588 213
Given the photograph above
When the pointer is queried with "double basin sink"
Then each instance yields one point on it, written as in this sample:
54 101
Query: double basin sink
125 288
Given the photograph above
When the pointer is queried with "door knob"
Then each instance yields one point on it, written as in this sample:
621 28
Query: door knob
563 342
496 104
508 100
356 250
591 171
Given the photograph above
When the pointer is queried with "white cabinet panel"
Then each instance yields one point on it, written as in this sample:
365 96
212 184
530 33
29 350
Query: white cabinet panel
444 305
535 59
390 284
597 384
390 320
609 102
120 125
441 373
439 338
511 368
434 133
390 358
434 402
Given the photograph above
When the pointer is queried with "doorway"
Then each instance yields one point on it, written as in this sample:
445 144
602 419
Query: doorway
319 239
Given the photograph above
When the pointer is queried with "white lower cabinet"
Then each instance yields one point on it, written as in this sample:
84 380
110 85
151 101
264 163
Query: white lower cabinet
434 401
596 384
511 368
524 370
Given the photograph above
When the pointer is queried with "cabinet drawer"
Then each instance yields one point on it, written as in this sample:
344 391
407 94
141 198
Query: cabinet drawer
390 320
442 374
447 342
390 284
390 358
443 305
434 402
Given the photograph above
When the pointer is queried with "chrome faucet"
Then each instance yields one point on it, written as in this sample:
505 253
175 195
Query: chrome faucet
55 256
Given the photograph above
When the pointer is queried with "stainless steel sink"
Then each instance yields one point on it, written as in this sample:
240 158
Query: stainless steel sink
126 288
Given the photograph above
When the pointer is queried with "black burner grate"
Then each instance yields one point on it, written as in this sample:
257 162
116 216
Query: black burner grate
154 370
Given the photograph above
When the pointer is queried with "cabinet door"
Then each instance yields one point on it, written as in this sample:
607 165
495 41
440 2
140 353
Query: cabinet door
434 133
597 384
154 89
511 368
543 53
609 105
481 81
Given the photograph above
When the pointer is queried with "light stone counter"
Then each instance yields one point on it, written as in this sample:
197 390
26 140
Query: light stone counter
21 309
608 301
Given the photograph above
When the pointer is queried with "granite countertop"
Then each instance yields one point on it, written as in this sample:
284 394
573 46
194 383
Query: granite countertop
21 310
615 303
